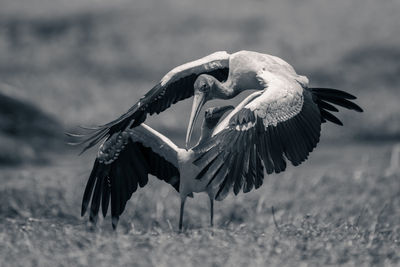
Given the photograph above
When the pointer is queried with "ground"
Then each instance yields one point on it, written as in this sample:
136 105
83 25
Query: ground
337 208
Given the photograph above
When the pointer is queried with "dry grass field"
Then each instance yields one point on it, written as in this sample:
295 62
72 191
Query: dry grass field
337 208
85 62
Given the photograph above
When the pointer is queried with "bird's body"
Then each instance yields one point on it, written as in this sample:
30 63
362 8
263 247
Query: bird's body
132 149
279 122
181 158
190 171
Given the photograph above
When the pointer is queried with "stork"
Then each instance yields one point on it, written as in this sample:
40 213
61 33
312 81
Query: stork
279 122
126 159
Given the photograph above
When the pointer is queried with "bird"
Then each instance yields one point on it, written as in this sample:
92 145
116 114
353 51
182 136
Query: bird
279 122
124 162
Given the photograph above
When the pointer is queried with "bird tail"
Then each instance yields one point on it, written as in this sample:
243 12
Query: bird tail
326 97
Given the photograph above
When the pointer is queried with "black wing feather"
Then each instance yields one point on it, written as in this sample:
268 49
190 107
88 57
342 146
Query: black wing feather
246 147
94 208
121 178
327 106
324 97
292 139
333 93
106 196
330 117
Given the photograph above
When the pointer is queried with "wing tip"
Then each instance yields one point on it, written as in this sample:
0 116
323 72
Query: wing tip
114 222
84 207
93 217
325 96
359 109
333 92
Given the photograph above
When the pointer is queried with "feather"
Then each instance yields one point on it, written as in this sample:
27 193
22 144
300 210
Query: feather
207 157
206 169
246 157
251 174
259 172
303 138
120 193
326 105
114 221
212 174
114 199
94 208
328 116
129 175
332 92
237 174
276 152
227 182
290 140
105 197
343 103
89 186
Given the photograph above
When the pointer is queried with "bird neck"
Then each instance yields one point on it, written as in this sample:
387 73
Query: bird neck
225 90
206 131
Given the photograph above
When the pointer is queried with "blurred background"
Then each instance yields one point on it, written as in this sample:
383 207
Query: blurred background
84 62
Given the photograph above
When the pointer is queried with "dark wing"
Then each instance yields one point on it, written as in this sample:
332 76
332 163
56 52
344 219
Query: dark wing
284 123
175 86
123 163
325 97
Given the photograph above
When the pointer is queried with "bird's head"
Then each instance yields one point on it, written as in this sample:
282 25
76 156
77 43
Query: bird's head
213 115
203 92
211 118
204 86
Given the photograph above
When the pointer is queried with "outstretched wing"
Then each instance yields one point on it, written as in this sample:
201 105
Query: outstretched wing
175 86
283 123
123 163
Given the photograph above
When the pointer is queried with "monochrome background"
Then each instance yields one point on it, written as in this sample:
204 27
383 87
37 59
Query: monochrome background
84 62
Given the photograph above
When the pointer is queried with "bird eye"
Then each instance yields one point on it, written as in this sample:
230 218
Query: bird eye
204 87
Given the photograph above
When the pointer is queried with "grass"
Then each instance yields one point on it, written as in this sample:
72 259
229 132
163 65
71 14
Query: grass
337 208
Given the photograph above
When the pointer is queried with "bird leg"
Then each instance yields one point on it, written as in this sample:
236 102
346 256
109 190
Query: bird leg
211 211
181 213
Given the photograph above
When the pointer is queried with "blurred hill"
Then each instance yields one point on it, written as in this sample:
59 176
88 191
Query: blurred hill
85 62
26 132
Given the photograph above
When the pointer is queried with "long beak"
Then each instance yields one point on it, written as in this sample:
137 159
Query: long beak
198 102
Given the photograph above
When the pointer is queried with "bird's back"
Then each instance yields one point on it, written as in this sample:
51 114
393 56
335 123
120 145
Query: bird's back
245 66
